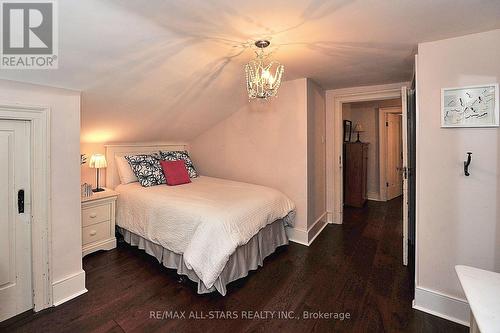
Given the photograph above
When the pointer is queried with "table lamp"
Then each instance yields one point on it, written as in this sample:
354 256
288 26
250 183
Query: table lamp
97 161
358 129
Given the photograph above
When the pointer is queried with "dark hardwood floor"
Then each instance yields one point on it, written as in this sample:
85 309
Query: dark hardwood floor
354 268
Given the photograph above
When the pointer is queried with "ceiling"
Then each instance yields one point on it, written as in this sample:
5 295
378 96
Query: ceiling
168 70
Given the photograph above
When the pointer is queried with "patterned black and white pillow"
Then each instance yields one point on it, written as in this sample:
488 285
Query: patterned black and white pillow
180 155
147 169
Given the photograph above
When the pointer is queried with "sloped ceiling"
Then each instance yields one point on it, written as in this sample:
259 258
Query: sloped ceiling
168 70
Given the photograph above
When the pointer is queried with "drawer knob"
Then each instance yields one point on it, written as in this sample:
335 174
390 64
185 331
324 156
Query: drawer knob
93 232
93 215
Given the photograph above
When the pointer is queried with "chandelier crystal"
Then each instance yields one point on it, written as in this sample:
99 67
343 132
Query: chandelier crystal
263 76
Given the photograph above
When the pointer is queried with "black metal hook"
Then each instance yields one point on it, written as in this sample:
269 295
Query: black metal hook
467 163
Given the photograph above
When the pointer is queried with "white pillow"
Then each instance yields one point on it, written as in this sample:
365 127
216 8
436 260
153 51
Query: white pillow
125 171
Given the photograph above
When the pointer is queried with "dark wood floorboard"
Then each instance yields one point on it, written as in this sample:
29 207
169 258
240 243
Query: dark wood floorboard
354 268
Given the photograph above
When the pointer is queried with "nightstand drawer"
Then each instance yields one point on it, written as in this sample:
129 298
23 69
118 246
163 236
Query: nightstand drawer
95 232
96 214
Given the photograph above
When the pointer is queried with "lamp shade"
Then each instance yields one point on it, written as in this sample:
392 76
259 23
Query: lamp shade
358 128
98 161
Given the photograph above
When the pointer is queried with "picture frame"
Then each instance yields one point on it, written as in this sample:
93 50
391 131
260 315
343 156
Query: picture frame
347 130
470 106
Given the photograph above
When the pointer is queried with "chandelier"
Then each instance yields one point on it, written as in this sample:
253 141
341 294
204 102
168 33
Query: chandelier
262 75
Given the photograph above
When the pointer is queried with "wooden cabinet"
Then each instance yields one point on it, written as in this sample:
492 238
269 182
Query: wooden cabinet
355 171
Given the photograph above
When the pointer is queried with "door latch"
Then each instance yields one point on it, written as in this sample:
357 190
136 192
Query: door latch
20 201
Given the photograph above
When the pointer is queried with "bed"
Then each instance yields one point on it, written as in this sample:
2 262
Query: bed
213 231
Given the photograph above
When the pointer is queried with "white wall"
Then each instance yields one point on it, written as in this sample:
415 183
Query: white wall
346 112
316 153
264 142
88 175
67 274
267 143
458 217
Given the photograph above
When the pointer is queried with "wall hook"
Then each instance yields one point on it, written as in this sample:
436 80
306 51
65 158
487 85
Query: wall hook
466 164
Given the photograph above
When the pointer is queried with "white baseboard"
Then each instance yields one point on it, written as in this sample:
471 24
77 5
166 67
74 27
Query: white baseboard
441 305
68 288
297 235
316 228
329 217
333 218
374 196
306 237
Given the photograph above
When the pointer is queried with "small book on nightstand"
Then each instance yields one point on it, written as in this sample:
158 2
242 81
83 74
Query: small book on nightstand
98 221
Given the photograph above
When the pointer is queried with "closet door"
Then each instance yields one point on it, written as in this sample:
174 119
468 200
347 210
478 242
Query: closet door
15 219
394 156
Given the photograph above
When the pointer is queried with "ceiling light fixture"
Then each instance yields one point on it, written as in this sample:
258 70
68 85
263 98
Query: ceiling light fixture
263 75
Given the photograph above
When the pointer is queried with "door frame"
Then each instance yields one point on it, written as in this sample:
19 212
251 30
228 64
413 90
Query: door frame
335 99
382 136
41 256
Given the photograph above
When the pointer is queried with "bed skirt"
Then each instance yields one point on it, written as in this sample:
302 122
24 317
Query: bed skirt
246 257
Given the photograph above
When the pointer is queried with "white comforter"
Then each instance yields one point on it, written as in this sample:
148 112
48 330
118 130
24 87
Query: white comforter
205 220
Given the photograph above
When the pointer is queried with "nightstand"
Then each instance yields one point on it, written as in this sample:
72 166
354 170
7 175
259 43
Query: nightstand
98 221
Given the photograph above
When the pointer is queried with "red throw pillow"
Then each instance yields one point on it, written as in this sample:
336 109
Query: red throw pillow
175 172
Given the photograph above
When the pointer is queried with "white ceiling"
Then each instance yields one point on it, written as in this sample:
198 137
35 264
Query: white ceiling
168 70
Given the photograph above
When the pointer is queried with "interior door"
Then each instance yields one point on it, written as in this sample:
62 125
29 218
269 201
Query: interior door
411 175
394 155
404 113
15 219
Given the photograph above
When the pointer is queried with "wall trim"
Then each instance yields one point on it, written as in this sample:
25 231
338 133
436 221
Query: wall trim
307 237
442 305
417 167
69 287
316 228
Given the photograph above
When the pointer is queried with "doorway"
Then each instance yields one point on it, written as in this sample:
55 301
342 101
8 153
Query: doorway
15 218
336 99
335 167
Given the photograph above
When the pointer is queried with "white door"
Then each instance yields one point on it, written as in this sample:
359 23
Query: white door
394 155
404 113
15 225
